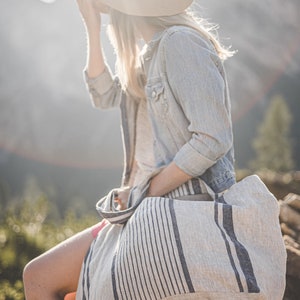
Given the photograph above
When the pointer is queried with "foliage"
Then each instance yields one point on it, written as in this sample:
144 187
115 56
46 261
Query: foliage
25 232
273 145
10 291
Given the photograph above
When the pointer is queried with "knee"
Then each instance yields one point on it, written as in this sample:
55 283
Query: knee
30 273
32 276
40 281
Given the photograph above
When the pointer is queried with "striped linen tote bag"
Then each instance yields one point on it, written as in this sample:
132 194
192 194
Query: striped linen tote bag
229 248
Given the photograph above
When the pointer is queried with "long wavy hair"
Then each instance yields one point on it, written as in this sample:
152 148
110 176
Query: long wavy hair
125 38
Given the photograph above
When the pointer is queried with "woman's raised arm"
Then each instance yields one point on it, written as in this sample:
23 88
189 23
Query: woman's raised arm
92 19
105 90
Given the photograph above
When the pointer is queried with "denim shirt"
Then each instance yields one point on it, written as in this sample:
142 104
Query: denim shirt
188 105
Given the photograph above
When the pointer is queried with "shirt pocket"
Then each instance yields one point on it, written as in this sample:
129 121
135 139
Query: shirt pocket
157 98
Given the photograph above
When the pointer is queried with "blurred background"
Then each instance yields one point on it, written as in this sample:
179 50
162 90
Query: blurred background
58 155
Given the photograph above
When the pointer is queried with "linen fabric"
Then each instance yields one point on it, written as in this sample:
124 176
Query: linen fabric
230 248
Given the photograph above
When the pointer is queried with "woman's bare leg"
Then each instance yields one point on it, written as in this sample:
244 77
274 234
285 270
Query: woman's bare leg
56 272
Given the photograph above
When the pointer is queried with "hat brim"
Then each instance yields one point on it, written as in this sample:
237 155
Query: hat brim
149 8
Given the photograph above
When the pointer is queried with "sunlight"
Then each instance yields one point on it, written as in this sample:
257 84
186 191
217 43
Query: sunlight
46 67
48 1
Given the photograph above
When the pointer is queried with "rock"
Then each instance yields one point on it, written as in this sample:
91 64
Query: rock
289 216
293 201
290 227
288 241
286 230
293 259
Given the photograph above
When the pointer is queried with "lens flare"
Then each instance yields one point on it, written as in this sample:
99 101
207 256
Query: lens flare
48 1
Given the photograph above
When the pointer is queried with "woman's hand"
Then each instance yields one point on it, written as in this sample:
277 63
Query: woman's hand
102 8
121 197
90 11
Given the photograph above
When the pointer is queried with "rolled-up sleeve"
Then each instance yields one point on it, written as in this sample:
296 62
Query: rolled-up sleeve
105 91
196 81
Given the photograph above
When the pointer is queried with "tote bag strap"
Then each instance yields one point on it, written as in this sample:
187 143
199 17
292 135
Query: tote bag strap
107 207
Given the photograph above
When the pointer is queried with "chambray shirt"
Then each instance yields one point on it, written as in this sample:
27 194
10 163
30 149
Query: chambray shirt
188 105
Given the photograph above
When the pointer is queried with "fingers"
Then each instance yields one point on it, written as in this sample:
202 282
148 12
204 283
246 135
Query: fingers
121 204
121 197
96 6
100 7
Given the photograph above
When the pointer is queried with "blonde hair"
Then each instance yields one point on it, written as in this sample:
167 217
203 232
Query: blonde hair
124 35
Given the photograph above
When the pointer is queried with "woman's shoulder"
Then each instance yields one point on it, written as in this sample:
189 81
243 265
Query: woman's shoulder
178 36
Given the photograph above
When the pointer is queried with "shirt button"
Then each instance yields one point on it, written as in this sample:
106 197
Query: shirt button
153 94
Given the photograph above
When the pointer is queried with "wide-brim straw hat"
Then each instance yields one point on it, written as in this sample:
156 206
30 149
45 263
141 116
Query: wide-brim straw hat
148 8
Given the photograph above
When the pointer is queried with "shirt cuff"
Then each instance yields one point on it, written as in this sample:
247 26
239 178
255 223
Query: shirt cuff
100 84
191 161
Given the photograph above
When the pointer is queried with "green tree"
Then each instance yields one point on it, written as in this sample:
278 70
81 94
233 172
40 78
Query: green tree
273 145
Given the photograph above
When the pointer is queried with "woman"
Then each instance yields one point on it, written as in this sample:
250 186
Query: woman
176 120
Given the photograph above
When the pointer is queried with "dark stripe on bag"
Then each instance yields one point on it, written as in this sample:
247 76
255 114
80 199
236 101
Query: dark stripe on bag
134 263
157 234
86 271
156 281
137 266
145 249
242 253
187 188
196 186
84 274
180 249
167 237
142 269
237 275
127 271
147 240
113 277
120 275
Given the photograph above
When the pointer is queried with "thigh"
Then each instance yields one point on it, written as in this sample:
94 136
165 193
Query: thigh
58 269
